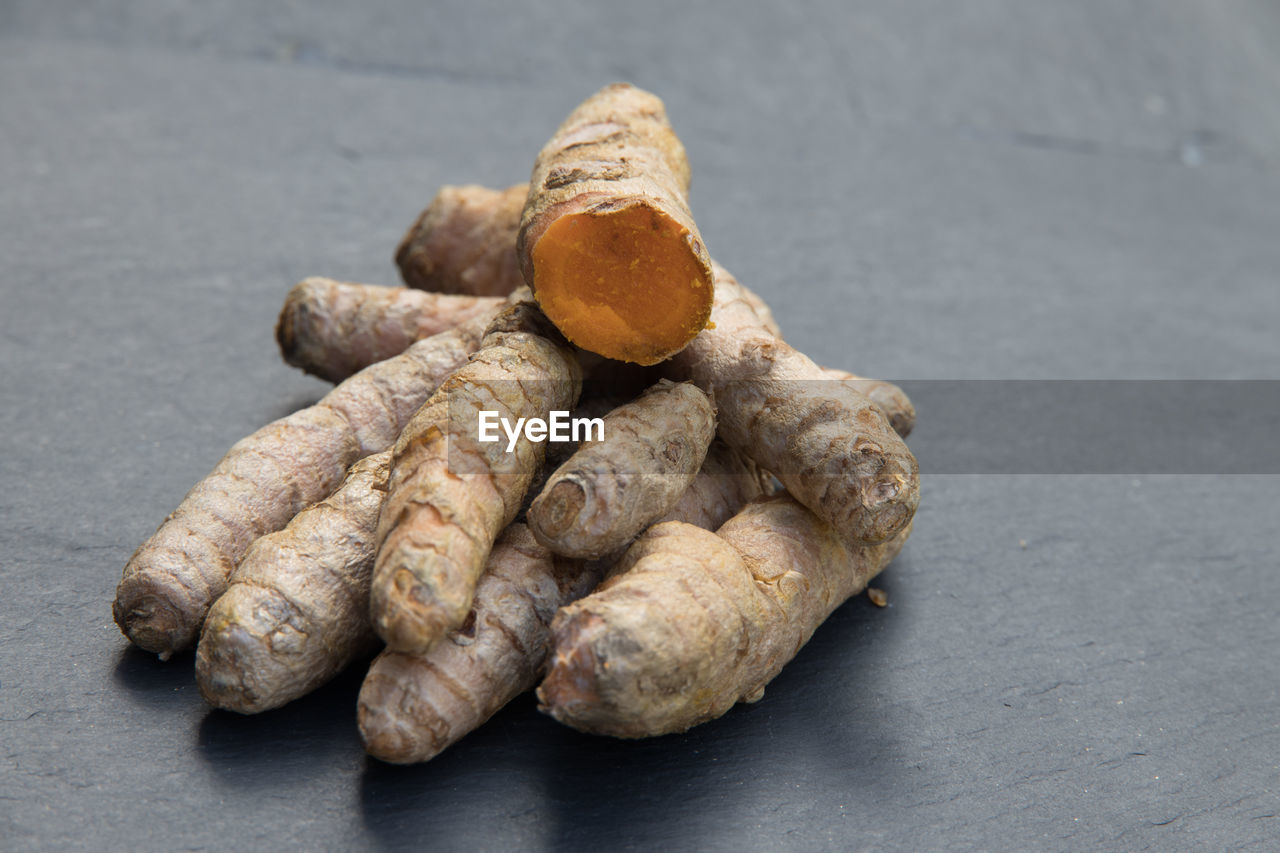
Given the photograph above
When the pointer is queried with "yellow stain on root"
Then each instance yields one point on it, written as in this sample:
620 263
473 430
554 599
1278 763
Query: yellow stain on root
624 284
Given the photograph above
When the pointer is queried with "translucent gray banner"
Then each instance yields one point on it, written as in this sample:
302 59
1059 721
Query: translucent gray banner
1096 426
975 426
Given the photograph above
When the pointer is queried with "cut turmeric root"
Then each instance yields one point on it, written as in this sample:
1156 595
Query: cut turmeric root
607 242
464 242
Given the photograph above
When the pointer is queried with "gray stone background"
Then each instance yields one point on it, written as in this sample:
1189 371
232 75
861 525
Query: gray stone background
924 190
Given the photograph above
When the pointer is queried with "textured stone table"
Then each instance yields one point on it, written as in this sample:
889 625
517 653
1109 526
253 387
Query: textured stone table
926 191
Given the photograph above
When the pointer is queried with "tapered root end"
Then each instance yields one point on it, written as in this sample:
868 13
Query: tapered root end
230 663
288 322
387 736
384 738
151 622
896 405
629 283
570 691
555 511
889 503
408 617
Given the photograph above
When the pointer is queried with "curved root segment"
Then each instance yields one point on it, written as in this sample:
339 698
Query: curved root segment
607 241
333 329
610 490
832 447
450 494
296 611
465 242
694 622
412 707
264 481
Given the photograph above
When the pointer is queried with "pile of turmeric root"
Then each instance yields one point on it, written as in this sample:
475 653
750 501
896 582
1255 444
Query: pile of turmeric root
644 578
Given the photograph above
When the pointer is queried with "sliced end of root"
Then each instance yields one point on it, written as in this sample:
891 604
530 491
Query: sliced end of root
630 284
554 513
152 624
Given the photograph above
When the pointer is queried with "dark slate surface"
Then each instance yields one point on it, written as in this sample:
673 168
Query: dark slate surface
925 190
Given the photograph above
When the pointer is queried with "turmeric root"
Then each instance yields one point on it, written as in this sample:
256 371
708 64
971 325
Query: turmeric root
450 494
832 448
740 312
694 622
474 222
465 242
607 241
332 329
263 482
412 707
336 329
611 489
296 610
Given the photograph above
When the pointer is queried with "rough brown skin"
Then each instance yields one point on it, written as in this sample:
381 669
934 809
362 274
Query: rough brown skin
833 449
607 241
264 481
296 610
727 481
694 622
891 399
611 490
763 312
559 452
332 329
465 242
449 495
412 707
